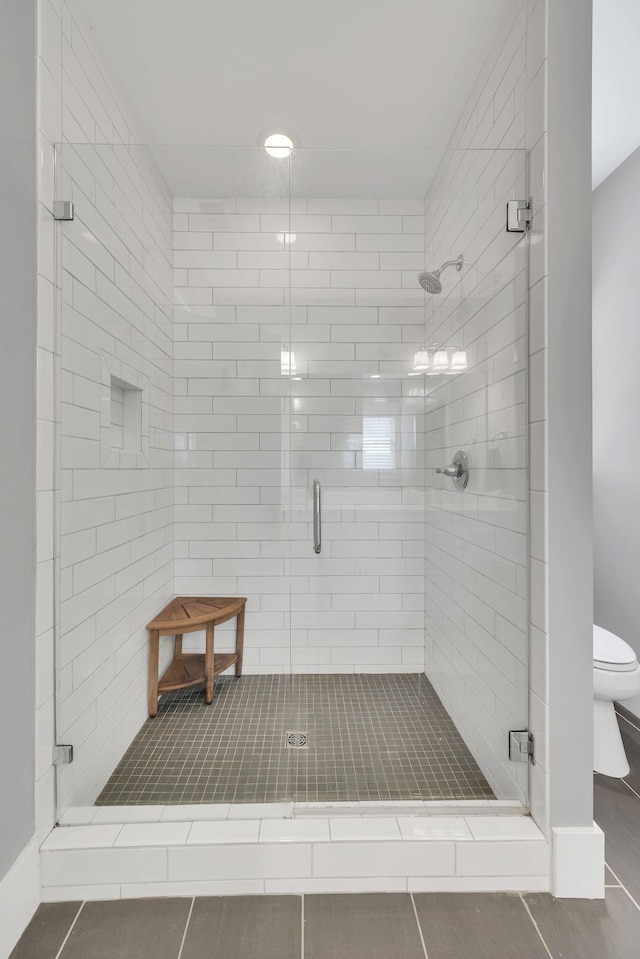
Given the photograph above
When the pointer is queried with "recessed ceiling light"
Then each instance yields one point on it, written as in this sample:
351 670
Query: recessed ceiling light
278 145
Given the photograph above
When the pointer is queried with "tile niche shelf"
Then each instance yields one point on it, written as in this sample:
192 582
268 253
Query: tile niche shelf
124 416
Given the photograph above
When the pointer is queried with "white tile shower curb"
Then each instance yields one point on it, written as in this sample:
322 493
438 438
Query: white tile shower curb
280 854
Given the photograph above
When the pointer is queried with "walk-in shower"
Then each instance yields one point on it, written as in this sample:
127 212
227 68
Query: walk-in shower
263 370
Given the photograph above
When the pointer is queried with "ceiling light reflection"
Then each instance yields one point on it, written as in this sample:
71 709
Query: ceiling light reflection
459 361
287 362
421 360
441 360
278 145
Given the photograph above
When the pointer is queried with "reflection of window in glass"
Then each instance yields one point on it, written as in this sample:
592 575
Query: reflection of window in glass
378 442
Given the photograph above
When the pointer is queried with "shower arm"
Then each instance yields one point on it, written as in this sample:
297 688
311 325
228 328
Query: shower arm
457 263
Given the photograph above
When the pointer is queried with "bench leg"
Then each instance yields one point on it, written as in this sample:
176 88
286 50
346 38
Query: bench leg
239 641
177 645
154 651
208 665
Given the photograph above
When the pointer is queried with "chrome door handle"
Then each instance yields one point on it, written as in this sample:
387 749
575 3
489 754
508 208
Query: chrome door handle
317 516
458 470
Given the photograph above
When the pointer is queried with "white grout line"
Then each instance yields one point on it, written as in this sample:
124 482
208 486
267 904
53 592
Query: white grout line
64 941
622 886
630 787
184 934
301 929
535 925
415 912
633 725
611 885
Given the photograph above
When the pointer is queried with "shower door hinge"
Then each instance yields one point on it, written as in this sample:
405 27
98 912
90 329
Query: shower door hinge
62 755
519 216
63 210
521 746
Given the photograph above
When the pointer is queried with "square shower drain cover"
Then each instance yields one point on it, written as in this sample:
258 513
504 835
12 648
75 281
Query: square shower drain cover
296 740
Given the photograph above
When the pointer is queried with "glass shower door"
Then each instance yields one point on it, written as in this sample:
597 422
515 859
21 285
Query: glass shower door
357 437
409 626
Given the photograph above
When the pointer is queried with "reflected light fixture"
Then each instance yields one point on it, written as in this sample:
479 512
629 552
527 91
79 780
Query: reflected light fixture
459 361
278 145
421 360
286 238
441 360
375 376
287 362
437 359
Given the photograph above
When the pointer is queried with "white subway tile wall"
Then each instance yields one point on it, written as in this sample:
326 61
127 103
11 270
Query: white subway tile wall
477 617
292 365
113 321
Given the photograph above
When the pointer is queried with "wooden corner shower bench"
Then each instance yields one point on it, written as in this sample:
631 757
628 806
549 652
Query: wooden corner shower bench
187 614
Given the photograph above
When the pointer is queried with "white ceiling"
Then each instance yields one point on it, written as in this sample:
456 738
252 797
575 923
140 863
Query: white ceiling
616 84
360 75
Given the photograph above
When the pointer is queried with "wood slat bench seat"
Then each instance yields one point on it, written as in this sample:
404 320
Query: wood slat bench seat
187 614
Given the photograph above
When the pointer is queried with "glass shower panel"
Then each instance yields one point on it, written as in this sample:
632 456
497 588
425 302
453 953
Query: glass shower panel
173 332
476 650
114 495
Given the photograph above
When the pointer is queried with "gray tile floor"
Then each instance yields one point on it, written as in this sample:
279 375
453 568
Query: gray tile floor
370 737
375 926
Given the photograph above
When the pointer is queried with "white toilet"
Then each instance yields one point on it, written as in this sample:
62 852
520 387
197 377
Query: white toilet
616 677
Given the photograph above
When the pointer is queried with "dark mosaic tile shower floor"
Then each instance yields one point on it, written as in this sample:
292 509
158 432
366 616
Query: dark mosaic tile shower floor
370 737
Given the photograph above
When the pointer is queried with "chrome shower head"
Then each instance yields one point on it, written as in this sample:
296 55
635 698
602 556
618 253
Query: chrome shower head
431 281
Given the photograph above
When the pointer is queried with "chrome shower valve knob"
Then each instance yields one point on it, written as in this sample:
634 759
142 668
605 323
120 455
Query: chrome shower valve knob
453 471
458 470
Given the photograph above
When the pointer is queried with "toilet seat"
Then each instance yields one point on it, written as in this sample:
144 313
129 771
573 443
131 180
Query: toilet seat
612 653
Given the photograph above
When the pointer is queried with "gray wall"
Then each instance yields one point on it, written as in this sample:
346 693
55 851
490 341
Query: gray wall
570 545
616 402
17 423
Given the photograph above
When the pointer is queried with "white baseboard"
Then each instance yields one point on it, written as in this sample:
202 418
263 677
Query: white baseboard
19 897
578 862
